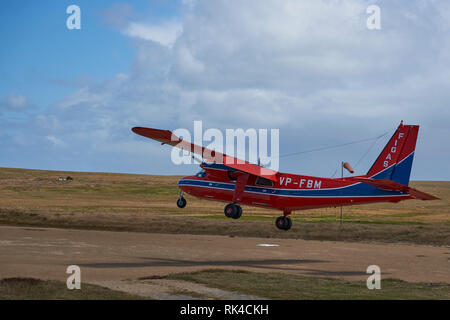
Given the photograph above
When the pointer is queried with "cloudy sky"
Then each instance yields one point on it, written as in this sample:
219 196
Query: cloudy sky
310 68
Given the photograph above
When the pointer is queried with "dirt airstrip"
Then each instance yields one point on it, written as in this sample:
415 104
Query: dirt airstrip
116 259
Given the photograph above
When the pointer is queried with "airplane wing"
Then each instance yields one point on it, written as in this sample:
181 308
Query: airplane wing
167 137
387 184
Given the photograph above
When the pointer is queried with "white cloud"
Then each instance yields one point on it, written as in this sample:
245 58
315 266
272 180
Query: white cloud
55 141
17 101
188 64
310 68
164 34
14 102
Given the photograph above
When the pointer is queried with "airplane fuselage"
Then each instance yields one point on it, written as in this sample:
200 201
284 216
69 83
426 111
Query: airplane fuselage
288 193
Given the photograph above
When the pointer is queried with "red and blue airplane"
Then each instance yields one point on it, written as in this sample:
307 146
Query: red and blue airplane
239 182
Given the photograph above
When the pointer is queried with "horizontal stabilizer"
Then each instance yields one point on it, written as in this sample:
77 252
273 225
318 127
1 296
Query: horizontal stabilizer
387 184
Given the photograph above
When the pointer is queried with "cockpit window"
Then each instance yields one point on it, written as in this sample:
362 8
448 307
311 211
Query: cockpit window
201 174
263 182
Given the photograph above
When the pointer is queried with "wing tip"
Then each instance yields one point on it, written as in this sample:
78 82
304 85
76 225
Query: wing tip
136 129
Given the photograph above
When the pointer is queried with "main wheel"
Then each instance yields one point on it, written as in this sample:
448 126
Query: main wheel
181 203
239 212
233 211
289 223
283 223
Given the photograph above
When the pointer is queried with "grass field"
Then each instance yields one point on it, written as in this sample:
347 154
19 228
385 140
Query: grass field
294 287
145 203
277 286
36 289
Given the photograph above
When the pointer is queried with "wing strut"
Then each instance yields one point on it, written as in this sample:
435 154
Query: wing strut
239 188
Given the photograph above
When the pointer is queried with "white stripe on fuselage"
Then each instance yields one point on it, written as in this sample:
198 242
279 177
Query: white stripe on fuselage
293 196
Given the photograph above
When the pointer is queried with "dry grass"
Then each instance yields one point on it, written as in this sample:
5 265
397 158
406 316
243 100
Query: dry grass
282 286
36 289
147 203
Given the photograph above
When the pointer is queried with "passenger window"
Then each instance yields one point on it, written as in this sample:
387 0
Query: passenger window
201 174
264 182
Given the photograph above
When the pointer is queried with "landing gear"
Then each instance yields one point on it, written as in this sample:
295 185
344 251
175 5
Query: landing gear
181 202
283 223
233 210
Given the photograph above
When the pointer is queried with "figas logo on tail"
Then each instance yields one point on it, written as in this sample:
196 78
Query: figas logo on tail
393 150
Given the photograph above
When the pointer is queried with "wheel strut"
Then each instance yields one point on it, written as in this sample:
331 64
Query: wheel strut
181 202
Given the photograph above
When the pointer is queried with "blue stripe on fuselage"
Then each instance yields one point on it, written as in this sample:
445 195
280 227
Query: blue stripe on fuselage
355 190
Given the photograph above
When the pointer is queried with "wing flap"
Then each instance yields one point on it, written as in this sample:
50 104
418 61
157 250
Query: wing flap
167 137
387 184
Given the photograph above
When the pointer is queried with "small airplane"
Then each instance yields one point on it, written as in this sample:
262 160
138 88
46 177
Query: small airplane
239 182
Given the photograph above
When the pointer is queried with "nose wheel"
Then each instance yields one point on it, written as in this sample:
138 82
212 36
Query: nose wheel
181 202
233 210
283 223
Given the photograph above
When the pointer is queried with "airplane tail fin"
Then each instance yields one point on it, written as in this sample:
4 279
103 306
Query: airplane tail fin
395 161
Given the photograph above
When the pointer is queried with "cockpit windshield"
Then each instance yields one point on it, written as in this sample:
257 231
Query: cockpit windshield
201 173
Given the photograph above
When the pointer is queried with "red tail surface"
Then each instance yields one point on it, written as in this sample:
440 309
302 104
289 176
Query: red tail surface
395 161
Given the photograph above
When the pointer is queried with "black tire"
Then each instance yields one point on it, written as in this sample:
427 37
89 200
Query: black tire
289 223
238 212
230 210
283 223
181 203
233 210
279 222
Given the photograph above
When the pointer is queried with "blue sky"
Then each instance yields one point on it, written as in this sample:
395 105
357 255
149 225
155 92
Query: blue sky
312 69
42 58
